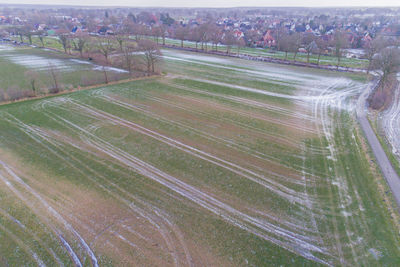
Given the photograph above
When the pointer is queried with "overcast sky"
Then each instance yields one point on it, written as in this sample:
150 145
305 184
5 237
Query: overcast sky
210 3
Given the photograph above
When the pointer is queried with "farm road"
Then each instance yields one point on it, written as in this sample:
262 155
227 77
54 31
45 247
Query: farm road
388 171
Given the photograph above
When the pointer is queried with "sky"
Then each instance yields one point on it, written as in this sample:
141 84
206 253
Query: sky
209 3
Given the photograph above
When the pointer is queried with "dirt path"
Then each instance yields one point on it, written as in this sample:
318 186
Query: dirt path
388 171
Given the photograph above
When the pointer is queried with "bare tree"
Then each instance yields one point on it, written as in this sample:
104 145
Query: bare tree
204 31
129 53
163 33
156 32
41 37
339 42
152 54
278 34
295 43
32 76
387 62
64 41
309 44
16 31
181 33
215 36
105 46
322 46
229 40
195 35
285 44
240 43
139 30
373 47
26 31
105 75
79 43
120 39
54 76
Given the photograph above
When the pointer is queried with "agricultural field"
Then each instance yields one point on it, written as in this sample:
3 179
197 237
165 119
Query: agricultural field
18 65
221 162
388 128
52 42
301 57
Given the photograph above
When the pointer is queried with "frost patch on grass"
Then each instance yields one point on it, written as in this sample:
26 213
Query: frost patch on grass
375 253
212 59
6 48
41 63
100 68
81 61
346 214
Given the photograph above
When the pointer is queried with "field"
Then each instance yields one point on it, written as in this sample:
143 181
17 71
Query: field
19 64
52 42
222 162
301 57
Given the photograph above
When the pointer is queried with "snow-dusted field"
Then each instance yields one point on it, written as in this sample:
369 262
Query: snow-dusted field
390 122
41 63
19 64
222 162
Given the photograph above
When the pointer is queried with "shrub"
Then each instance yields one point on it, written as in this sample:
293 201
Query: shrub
14 93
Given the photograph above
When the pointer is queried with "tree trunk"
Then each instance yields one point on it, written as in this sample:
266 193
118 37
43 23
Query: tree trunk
295 55
163 40
33 86
285 55
182 43
308 57
338 63
369 66
54 76
128 65
319 55
105 75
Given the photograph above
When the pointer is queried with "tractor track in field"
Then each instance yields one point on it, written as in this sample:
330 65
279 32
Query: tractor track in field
270 184
289 240
163 227
206 135
326 229
58 217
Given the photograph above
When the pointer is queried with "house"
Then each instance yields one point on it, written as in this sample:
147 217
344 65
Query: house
268 39
238 34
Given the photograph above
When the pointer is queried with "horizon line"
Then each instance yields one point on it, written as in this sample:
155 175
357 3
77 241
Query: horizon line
188 7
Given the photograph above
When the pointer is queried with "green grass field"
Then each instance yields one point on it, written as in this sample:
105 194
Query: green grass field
19 64
301 57
222 162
